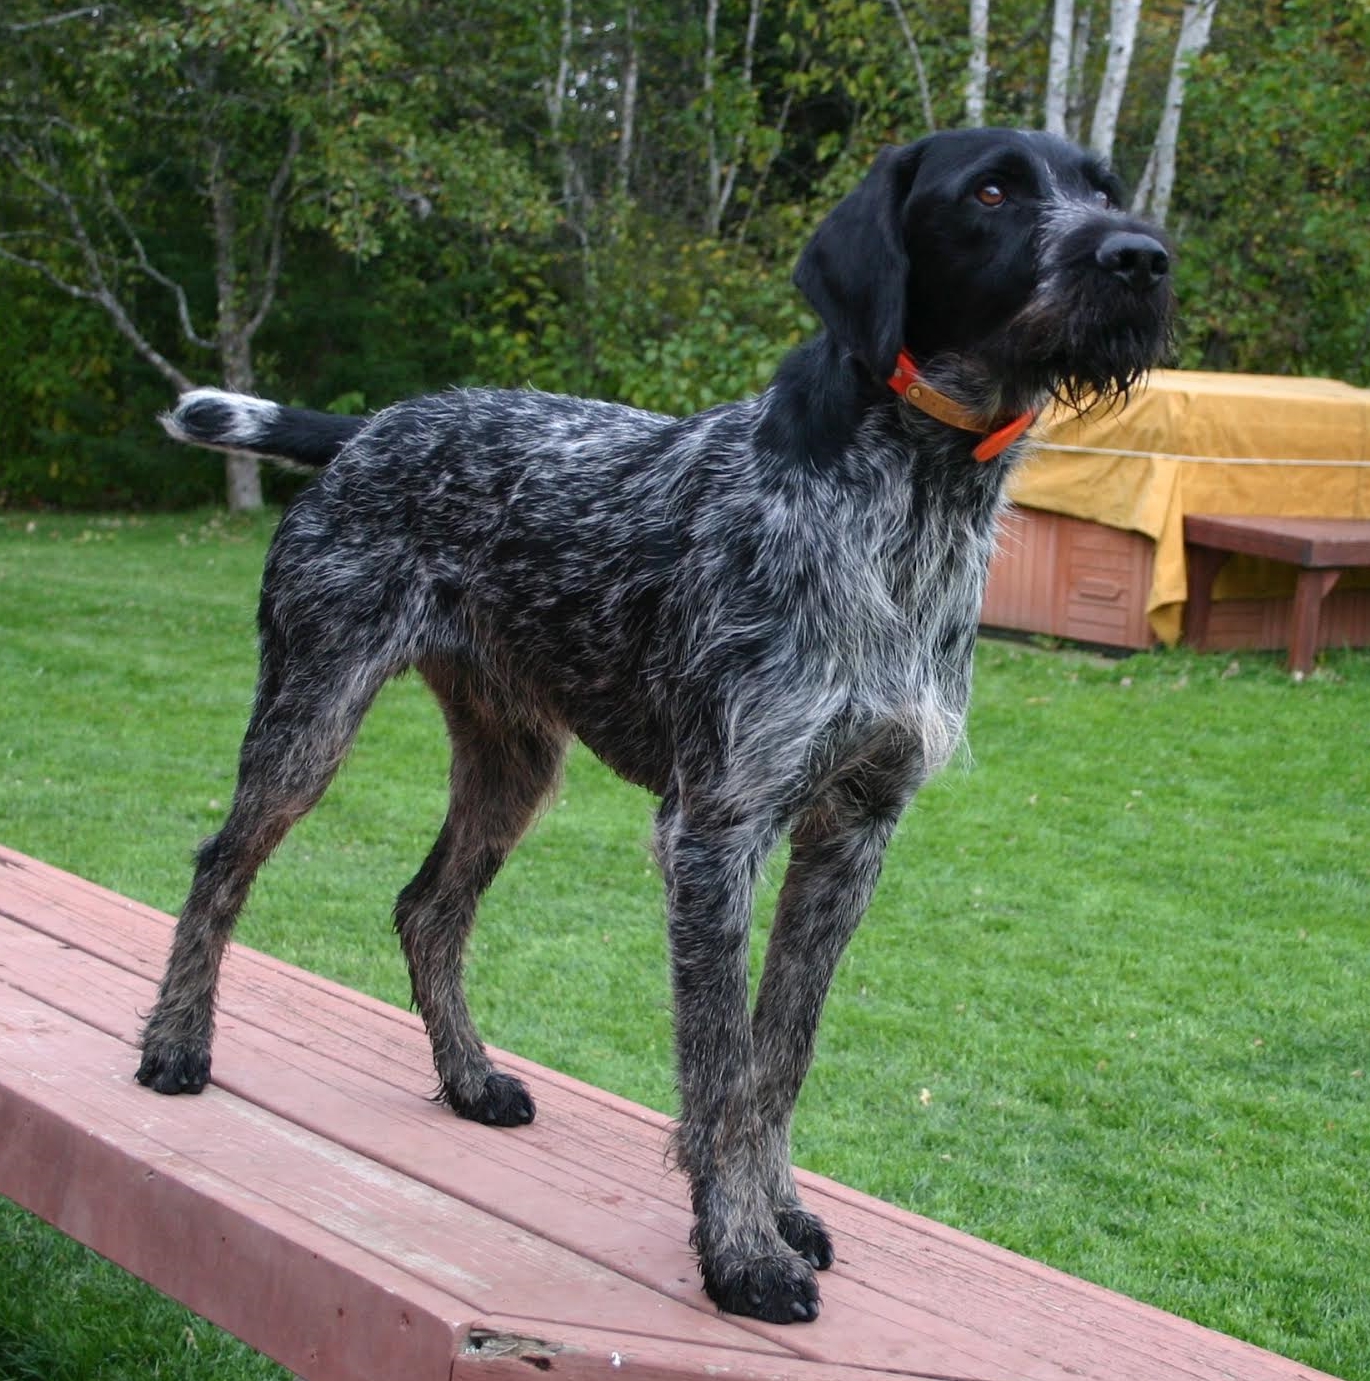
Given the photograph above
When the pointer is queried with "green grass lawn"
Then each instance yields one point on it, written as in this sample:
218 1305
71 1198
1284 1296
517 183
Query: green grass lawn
1108 1007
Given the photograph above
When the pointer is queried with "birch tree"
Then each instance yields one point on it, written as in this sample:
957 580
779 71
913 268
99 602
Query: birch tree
1158 178
723 177
1079 56
1059 56
977 71
627 109
1122 35
558 96
725 193
715 169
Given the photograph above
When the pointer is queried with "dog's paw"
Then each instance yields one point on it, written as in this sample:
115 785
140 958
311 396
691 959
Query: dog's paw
804 1231
503 1102
174 1070
776 1288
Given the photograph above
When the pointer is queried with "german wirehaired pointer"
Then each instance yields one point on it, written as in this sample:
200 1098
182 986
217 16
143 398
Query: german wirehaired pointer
764 613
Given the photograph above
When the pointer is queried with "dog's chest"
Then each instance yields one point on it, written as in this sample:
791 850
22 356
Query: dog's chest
863 603
886 575
909 666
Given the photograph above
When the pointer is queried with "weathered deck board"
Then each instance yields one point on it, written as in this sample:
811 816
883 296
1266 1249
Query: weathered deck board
313 1202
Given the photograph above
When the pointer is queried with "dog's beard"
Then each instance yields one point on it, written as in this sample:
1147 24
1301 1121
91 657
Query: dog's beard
1085 342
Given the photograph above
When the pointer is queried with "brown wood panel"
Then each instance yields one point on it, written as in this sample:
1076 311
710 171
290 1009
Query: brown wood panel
569 1232
1024 558
1070 579
1346 619
1236 624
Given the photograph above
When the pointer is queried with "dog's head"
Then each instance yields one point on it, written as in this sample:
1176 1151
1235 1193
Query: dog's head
1005 249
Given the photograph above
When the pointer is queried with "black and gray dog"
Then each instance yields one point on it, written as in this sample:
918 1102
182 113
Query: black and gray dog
764 613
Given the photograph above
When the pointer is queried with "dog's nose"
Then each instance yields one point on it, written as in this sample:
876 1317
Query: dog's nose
1139 260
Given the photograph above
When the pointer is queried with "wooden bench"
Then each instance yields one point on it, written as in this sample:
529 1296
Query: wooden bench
312 1201
1322 548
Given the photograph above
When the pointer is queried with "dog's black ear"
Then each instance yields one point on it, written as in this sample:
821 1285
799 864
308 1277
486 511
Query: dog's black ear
855 269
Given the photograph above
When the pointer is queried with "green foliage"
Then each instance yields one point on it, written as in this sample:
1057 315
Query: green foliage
668 323
155 166
81 1319
1274 194
87 437
444 228
711 323
383 147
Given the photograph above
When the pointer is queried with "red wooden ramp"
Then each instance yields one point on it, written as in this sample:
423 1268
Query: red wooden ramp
312 1201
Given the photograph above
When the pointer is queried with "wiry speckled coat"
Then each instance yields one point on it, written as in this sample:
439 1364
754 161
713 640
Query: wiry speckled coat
764 613
664 589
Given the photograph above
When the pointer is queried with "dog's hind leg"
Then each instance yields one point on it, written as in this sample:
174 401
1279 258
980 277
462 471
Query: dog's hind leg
501 772
306 716
836 851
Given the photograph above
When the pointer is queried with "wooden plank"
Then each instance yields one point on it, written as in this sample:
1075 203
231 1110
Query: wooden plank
458 1163
1314 543
315 1257
76 1153
540 1173
613 1207
502 1266
908 1296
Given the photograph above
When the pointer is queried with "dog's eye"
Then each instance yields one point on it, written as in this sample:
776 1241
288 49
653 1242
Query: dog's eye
1101 199
990 194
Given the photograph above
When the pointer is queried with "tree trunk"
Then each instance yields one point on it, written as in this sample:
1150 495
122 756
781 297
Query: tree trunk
1079 57
1122 34
739 139
919 70
1158 179
574 193
977 72
242 472
628 104
1058 67
711 115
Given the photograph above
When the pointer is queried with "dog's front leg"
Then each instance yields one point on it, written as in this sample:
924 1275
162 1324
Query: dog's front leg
710 861
835 858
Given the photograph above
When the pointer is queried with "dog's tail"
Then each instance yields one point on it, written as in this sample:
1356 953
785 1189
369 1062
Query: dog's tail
238 422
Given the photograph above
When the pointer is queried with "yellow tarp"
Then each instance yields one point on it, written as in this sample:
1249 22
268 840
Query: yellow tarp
1192 442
